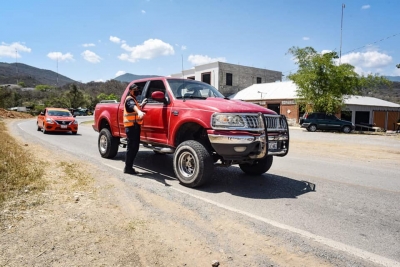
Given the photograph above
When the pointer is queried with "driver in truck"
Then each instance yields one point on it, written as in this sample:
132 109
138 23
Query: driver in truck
133 118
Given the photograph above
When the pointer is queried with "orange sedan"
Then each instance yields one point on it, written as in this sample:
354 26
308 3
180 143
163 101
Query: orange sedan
56 120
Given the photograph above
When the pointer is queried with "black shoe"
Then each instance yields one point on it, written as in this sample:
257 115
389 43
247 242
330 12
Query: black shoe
130 171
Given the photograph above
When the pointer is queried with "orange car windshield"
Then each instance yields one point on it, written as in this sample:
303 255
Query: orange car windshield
59 113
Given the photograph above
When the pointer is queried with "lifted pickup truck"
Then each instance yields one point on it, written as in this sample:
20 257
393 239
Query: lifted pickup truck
201 127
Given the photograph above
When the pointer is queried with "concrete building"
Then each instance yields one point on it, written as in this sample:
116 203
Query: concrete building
229 78
281 97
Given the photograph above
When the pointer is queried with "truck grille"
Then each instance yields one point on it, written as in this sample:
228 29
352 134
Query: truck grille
274 122
253 123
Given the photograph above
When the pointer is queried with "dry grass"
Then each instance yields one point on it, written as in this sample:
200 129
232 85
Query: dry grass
75 176
20 173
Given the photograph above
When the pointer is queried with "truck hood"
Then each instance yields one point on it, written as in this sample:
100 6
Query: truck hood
222 105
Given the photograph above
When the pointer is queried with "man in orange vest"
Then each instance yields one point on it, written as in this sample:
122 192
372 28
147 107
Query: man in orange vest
133 118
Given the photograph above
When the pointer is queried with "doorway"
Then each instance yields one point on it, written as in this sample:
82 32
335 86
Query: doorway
275 107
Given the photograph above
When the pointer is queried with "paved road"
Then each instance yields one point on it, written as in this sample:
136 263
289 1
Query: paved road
353 211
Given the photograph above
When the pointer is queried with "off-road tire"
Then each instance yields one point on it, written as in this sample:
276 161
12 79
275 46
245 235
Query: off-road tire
258 167
107 144
38 128
193 164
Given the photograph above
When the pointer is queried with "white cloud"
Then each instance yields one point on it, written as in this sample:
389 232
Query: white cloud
99 80
88 45
183 47
91 56
368 59
200 59
325 52
365 7
60 56
13 50
143 12
119 73
115 39
306 38
149 49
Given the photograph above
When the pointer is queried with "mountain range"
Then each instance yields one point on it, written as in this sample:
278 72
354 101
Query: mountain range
12 73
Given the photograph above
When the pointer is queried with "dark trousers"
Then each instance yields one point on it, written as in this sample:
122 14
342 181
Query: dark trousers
133 137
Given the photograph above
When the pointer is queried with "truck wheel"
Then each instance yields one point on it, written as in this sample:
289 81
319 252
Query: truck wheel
258 167
107 144
312 128
193 164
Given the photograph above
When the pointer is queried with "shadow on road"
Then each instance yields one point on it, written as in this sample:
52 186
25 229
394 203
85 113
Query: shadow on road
231 180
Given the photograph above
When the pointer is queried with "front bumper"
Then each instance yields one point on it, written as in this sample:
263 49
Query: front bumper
240 146
60 128
236 145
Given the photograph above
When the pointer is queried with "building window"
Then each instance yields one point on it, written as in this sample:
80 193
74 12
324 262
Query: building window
206 77
229 79
258 79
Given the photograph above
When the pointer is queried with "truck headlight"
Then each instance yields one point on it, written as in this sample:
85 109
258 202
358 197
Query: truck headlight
48 120
227 120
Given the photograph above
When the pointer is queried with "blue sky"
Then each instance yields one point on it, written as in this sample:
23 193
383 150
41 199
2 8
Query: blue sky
97 40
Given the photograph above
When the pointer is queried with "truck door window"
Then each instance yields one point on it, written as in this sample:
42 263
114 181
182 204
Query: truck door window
154 86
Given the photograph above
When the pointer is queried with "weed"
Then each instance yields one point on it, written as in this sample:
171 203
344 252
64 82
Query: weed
20 173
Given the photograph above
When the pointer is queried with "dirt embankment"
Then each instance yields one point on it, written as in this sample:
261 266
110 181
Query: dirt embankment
8 114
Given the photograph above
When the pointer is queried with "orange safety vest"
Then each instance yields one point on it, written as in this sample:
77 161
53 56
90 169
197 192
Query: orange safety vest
130 118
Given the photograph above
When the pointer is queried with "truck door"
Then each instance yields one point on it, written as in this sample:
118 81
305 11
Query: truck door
155 122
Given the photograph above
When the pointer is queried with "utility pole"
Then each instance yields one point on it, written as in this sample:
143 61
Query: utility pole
16 63
57 71
341 28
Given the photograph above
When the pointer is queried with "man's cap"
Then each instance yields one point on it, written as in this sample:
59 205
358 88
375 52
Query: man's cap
133 87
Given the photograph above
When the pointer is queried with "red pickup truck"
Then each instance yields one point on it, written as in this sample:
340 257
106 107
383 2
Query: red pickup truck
201 127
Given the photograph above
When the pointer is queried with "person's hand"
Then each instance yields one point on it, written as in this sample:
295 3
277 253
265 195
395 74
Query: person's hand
141 114
144 102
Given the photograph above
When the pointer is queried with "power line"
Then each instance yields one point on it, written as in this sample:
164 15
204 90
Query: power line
378 41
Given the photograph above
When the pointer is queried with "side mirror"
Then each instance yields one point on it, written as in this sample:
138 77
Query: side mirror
158 96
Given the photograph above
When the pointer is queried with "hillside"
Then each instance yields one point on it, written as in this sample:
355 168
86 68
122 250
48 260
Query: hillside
391 94
31 76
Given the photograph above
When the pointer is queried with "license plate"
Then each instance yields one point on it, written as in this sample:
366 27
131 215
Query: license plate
63 126
272 145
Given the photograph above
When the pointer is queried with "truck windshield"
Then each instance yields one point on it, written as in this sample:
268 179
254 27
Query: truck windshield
184 88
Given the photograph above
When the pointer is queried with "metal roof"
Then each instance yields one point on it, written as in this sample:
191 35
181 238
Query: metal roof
278 90
369 101
287 90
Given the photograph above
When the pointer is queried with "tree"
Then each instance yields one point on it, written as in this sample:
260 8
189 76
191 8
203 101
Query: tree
44 87
75 97
22 84
323 84
104 96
